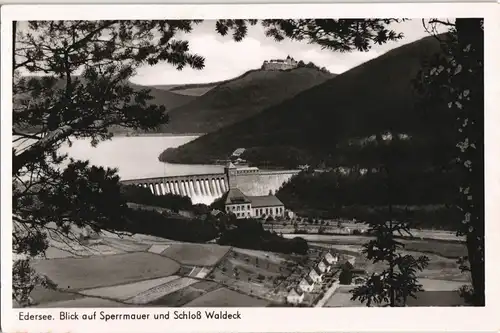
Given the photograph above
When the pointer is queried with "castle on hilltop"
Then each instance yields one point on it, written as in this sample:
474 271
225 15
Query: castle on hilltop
279 64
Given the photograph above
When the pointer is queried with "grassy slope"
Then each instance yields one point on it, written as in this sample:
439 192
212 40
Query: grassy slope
372 97
169 99
240 98
195 89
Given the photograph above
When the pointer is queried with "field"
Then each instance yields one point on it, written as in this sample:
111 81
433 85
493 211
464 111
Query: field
252 272
100 271
443 248
186 295
342 298
224 297
126 291
158 292
196 254
42 295
86 302
175 274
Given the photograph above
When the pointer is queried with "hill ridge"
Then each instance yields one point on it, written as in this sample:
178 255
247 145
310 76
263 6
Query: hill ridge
372 97
240 98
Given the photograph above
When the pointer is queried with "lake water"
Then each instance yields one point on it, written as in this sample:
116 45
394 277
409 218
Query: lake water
137 156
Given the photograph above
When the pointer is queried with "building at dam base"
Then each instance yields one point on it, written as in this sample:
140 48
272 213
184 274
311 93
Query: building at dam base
246 206
252 206
206 188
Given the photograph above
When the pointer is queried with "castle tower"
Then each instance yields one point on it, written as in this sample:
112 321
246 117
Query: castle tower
231 171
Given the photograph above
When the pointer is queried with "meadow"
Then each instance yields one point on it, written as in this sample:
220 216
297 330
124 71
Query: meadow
196 254
224 297
99 271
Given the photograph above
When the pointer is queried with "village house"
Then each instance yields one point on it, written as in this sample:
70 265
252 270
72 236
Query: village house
315 274
295 296
322 267
328 266
332 260
306 284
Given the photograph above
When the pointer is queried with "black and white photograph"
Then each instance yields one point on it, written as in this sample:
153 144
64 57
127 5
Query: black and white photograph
290 162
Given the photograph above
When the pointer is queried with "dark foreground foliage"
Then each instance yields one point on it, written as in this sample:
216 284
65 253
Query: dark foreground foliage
250 234
166 226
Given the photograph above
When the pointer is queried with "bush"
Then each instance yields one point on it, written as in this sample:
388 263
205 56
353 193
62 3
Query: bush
161 225
250 234
345 276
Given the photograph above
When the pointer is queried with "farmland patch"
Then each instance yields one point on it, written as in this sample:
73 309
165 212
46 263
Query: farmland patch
101 271
196 254
224 297
85 302
126 291
178 298
157 292
42 295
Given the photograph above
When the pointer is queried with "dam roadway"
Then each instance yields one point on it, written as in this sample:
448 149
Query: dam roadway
205 188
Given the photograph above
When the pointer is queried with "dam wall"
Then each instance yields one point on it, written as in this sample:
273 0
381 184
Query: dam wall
200 188
206 188
263 182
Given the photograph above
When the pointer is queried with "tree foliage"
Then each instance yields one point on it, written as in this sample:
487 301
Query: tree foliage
341 35
456 80
70 81
397 280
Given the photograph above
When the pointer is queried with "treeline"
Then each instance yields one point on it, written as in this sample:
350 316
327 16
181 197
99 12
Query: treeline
141 195
310 64
425 197
333 189
203 227
163 225
245 233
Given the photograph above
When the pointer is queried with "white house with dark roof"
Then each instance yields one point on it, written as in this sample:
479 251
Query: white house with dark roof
331 259
327 265
295 296
315 274
306 284
322 267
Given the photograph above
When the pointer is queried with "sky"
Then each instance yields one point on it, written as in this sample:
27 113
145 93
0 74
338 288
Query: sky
226 59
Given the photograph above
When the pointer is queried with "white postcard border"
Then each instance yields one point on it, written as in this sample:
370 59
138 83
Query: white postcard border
270 319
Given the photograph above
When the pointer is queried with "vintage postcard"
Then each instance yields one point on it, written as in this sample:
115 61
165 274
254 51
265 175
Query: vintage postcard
249 168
